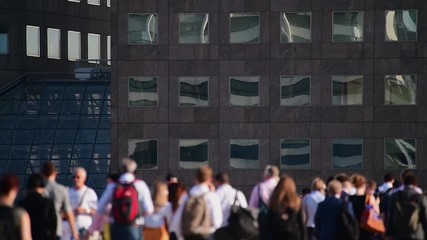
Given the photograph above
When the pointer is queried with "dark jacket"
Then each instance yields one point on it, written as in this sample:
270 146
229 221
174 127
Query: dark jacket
286 225
42 215
326 218
408 194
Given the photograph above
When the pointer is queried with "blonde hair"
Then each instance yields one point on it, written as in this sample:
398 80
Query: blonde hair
334 187
285 196
160 195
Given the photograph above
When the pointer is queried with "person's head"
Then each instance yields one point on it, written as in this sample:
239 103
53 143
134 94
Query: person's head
371 186
113 177
397 184
318 185
204 175
79 177
160 195
285 195
388 177
170 178
358 181
9 186
271 171
334 188
49 170
221 179
405 173
176 190
36 182
128 166
342 177
410 180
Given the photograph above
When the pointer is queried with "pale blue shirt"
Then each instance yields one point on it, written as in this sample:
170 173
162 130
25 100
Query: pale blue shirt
310 204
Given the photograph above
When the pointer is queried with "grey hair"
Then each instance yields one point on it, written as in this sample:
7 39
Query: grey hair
271 171
129 165
77 169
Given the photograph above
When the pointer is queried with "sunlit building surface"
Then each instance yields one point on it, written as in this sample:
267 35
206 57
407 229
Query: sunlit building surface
314 87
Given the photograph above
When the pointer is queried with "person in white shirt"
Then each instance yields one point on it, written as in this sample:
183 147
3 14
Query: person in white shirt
173 211
83 201
310 204
228 196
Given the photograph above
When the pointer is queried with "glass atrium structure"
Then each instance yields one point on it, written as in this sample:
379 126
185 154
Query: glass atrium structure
57 118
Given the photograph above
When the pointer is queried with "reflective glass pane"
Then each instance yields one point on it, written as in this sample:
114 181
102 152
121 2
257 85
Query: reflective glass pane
347 153
244 91
142 28
9 107
105 121
4 151
6 136
61 151
92 107
44 136
3 166
19 152
94 92
244 153
74 92
400 89
103 136
295 90
88 121
347 90
29 107
193 91
53 43
47 122
85 163
94 2
400 154
143 91
295 27
74 45
33 41
100 166
23 137
40 152
17 166
82 151
65 136
193 28
68 121
348 27
295 154
193 153
102 151
85 136
52 92
106 108
244 28
144 152
7 122
94 46
32 92
26 122
4 40
50 107
71 107
401 25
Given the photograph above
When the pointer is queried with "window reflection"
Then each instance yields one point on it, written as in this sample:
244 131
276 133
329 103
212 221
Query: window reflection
193 28
53 43
400 89
142 28
74 45
33 41
4 40
295 153
144 152
93 47
193 153
347 90
401 25
244 28
143 91
295 90
295 27
400 154
348 27
244 153
193 91
347 153
244 91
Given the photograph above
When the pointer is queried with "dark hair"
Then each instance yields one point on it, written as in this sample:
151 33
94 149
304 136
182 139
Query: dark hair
397 184
342 177
204 174
388 176
410 179
405 173
175 192
222 178
305 191
170 177
113 176
8 182
48 169
36 181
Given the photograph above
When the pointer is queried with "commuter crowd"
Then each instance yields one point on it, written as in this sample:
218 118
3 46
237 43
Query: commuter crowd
343 207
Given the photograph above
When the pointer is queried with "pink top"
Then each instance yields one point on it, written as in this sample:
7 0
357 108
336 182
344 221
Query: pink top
265 189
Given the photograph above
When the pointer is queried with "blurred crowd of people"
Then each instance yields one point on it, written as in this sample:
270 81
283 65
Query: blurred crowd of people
343 207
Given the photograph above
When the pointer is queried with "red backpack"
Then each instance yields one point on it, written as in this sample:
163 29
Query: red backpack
125 205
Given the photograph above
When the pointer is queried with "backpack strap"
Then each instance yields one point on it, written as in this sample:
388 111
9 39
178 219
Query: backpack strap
235 198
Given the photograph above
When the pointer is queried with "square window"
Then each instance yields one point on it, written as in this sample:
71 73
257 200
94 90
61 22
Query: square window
295 154
94 2
400 154
347 153
193 91
347 90
193 28
244 28
142 28
400 89
93 47
144 152
54 43
295 27
244 153
193 153
74 46
295 90
33 41
401 25
4 40
143 92
347 27
244 91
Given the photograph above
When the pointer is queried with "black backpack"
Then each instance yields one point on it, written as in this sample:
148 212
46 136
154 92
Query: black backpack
406 214
347 226
243 222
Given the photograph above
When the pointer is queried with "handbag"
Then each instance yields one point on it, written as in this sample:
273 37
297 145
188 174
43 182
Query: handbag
243 222
370 220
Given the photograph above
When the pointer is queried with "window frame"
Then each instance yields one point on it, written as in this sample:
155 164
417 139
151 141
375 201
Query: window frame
157 88
259 93
51 30
363 26
179 91
157 151
310 153
385 25
229 28
98 36
192 139
157 30
280 97
311 27
27 27
79 45
244 139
